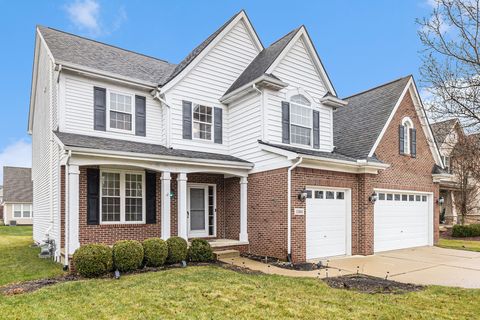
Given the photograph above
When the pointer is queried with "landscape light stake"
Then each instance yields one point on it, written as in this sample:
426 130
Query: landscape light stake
117 274
386 276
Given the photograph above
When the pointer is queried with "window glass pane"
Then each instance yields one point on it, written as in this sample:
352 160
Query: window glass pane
381 196
389 196
411 197
300 135
397 197
340 195
404 197
26 210
17 210
330 195
301 116
120 120
133 197
424 198
309 194
202 122
301 99
120 111
417 197
211 211
110 188
318 194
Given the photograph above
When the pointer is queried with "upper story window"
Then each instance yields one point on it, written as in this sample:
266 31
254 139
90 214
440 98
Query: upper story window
301 120
408 138
121 111
446 162
202 122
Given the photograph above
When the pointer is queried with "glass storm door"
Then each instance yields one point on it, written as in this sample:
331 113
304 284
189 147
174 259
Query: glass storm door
197 212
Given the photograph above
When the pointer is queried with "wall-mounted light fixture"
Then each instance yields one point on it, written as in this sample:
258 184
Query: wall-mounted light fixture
373 198
302 195
441 200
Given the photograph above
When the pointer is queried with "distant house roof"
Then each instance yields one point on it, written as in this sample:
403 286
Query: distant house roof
262 61
358 125
442 129
97 143
17 184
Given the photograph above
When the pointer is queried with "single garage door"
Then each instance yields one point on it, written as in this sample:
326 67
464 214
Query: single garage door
401 220
327 223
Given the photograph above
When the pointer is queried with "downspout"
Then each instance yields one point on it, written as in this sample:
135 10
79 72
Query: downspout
289 208
262 119
66 207
157 95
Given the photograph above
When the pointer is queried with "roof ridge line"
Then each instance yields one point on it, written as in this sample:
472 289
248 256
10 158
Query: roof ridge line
106 44
284 36
377 87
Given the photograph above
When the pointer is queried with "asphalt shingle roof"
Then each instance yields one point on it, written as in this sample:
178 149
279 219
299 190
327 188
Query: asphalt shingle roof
98 143
262 61
17 184
357 126
442 129
69 48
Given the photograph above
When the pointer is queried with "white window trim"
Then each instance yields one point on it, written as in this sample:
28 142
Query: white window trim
132 96
204 185
122 196
311 122
22 211
406 137
194 105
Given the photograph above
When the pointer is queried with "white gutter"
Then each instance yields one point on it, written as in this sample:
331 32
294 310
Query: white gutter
289 207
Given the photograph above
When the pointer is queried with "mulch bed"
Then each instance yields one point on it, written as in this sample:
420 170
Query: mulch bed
373 285
306 266
447 234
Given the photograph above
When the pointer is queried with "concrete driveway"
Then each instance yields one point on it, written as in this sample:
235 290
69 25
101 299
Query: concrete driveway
422 265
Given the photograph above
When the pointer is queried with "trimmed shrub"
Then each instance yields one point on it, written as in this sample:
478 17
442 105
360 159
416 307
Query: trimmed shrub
472 230
93 260
155 252
127 255
200 251
177 249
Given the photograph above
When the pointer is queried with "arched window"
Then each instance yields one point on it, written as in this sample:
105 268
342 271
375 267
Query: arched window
301 120
408 137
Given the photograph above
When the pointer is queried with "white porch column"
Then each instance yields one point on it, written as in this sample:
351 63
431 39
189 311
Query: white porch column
243 209
165 204
73 205
182 205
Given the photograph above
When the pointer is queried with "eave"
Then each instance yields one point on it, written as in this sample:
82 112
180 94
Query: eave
264 81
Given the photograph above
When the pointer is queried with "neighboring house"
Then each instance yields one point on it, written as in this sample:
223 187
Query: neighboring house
1 203
17 196
447 133
247 146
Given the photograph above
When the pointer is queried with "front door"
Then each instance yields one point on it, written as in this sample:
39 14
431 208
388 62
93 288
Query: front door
197 211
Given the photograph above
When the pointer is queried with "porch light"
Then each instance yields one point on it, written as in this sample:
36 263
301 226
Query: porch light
373 198
441 200
302 195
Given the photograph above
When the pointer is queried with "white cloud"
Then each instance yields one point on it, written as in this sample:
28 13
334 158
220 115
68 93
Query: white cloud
17 154
88 16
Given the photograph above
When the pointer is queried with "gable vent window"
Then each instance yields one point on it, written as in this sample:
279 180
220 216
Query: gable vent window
121 107
202 122
301 120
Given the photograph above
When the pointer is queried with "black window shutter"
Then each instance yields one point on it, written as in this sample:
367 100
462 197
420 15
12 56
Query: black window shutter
151 194
285 122
187 120
401 139
217 125
99 109
413 143
140 116
93 197
316 129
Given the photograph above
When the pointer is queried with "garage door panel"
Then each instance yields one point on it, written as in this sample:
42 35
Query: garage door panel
400 224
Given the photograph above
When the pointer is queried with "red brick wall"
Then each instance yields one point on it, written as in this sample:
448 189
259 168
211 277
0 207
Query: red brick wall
232 208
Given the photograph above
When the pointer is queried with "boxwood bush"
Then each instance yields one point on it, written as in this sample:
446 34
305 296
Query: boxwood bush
127 255
155 252
200 251
177 249
472 230
93 260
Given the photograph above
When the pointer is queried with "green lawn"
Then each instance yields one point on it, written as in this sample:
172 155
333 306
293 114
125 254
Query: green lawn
210 292
459 244
18 260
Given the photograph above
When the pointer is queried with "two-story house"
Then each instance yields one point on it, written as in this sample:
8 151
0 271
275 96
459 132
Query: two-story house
245 145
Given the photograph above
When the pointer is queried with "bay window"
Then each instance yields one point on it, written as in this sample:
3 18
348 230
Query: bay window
122 196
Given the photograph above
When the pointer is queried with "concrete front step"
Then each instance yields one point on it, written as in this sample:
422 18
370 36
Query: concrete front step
224 254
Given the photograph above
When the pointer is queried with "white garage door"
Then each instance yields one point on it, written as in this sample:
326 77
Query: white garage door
401 220
327 223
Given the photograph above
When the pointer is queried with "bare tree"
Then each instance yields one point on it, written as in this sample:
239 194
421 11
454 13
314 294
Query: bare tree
451 60
465 166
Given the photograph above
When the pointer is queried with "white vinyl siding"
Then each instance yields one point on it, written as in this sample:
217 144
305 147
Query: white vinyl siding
298 70
207 82
78 113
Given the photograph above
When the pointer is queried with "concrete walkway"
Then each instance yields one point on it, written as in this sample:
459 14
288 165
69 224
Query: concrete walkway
423 265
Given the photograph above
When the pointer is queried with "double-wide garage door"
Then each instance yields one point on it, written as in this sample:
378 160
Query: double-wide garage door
327 222
402 220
